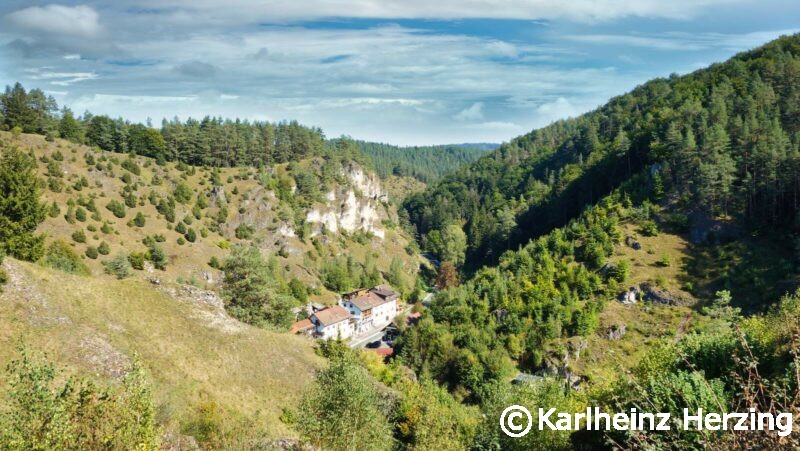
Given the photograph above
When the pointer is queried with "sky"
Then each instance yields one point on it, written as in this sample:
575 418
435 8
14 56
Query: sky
407 72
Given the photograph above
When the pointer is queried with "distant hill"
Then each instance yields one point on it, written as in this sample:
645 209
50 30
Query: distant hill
424 163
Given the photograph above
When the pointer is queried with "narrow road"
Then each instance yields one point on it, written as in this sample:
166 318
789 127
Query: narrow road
362 341
377 334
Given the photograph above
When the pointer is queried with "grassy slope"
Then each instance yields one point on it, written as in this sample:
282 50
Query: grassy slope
645 322
756 269
189 262
193 354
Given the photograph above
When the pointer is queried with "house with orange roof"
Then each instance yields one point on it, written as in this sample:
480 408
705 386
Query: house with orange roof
333 322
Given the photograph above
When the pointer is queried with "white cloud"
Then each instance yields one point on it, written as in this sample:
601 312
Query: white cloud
473 113
560 108
577 10
683 41
56 78
80 21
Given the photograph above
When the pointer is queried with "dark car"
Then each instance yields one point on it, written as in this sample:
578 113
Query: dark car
374 344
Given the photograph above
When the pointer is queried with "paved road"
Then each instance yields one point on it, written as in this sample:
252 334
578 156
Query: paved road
362 341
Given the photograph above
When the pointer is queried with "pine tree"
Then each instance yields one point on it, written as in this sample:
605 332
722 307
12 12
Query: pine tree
21 211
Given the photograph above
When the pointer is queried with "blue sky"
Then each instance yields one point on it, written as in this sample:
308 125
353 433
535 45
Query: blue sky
405 72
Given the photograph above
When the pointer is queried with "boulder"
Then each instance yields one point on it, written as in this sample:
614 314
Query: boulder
653 293
615 332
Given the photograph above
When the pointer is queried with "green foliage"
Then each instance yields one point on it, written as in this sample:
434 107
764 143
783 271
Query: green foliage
251 292
139 220
548 393
448 244
59 255
649 228
344 410
137 259
298 290
722 139
191 235
116 207
545 290
21 211
92 253
80 214
155 254
70 128
244 231
424 163
183 194
28 112
44 413
79 236
119 266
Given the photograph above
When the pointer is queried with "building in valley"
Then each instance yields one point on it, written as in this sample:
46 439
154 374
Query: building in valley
372 309
333 322
357 313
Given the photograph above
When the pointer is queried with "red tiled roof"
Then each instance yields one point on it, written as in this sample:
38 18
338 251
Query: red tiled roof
301 325
332 315
384 352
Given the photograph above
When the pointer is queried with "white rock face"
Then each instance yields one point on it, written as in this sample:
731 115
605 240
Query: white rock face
368 184
327 219
286 231
355 212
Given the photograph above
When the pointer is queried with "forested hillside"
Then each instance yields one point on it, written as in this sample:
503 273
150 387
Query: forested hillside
424 163
619 253
720 142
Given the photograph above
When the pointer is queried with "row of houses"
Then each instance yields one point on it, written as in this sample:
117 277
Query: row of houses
356 313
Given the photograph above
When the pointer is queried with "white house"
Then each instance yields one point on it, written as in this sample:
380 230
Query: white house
333 322
371 309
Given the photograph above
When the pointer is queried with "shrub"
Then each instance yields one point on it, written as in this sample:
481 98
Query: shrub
180 228
157 256
183 194
244 232
106 228
119 266
103 248
53 211
130 200
649 228
139 220
80 214
91 252
78 236
114 206
70 216
191 235
46 410
59 255
136 259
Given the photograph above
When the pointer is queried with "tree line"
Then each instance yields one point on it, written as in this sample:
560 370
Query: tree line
424 163
210 141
